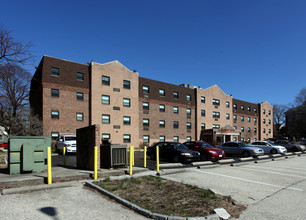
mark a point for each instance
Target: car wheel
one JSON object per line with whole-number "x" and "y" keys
{"x": 176, "y": 159}
{"x": 246, "y": 154}
{"x": 152, "y": 156}
{"x": 273, "y": 151}
{"x": 203, "y": 157}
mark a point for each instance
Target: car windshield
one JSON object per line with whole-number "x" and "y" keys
{"x": 271, "y": 142}
{"x": 205, "y": 145}
{"x": 70, "y": 138}
{"x": 178, "y": 146}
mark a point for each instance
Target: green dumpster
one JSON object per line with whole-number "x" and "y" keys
{"x": 27, "y": 154}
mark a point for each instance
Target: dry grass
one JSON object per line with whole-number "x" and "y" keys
{"x": 170, "y": 198}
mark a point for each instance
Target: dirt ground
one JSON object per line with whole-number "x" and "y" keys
{"x": 171, "y": 198}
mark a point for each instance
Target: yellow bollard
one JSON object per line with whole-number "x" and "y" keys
{"x": 145, "y": 157}
{"x": 133, "y": 156}
{"x": 131, "y": 162}
{"x": 157, "y": 158}
{"x": 64, "y": 155}
{"x": 49, "y": 165}
{"x": 96, "y": 163}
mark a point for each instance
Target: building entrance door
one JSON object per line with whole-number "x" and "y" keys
{"x": 227, "y": 138}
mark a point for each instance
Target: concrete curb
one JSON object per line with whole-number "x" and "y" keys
{"x": 143, "y": 211}
{"x": 34, "y": 188}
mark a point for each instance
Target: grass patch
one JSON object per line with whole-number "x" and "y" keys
{"x": 169, "y": 197}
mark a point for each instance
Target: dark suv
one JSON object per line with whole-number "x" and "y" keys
{"x": 174, "y": 152}
{"x": 207, "y": 151}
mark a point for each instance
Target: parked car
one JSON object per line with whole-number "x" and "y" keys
{"x": 240, "y": 148}
{"x": 290, "y": 146}
{"x": 68, "y": 141}
{"x": 303, "y": 142}
{"x": 3, "y": 145}
{"x": 174, "y": 152}
{"x": 269, "y": 147}
{"x": 207, "y": 151}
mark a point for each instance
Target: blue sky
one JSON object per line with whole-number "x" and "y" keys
{"x": 252, "y": 49}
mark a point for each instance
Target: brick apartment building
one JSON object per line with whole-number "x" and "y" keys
{"x": 138, "y": 111}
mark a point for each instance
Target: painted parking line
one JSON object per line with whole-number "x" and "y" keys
{"x": 250, "y": 181}
{"x": 264, "y": 171}
{"x": 286, "y": 167}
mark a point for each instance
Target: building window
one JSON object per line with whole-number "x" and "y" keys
{"x": 255, "y": 120}
{"x": 105, "y": 136}
{"x": 80, "y": 117}
{"x": 202, "y": 99}
{"x": 188, "y": 125}
{"x": 55, "y": 114}
{"x": 235, "y": 117}
{"x": 255, "y": 130}
{"x": 54, "y": 93}
{"x": 216, "y": 114}
{"x": 54, "y": 135}
{"x": 216, "y": 126}
{"x": 235, "y": 127}
{"x": 126, "y": 120}
{"x": 80, "y": 76}
{"x": 216, "y": 102}
{"x": 235, "y": 139}
{"x": 162, "y": 138}
{"x": 145, "y": 106}
{"x": 264, "y": 111}
{"x": 188, "y": 111}
{"x": 126, "y": 84}
{"x": 227, "y": 116}
{"x": 126, "y": 102}
{"x": 145, "y": 122}
{"x": 264, "y": 130}
{"x": 269, "y": 112}
{"x": 188, "y": 97}
{"x": 176, "y": 139}
{"x": 269, "y": 131}
{"x": 242, "y": 118}
{"x": 249, "y": 139}
{"x": 249, "y": 109}
{"x": 145, "y": 89}
{"x": 175, "y": 124}
{"x": 105, "y": 99}
{"x": 249, "y": 119}
{"x": 227, "y": 104}
{"x": 161, "y": 123}
{"x": 175, "y": 95}
{"x": 202, "y": 112}
{"x": 162, "y": 108}
{"x": 235, "y": 106}
{"x": 105, "y": 80}
{"x": 80, "y": 96}
{"x": 242, "y": 108}
{"x": 242, "y": 139}
{"x": 161, "y": 92}
{"x": 264, "y": 121}
{"x": 242, "y": 129}
{"x": 188, "y": 138}
{"x": 175, "y": 109}
{"x": 202, "y": 126}
{"x": 249, "y": 129}
{"x": 269, "y": 121}
{"x": 126, "y": 138}
{"x": 146, "y": 139}
{"x": 255, "y": 110}
{"x": 54, "y": 71}
{"x": 105, "y": 119}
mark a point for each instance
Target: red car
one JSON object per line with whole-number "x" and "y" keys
{"x": 3, "y": 145}
{"x": 207, "y": 151}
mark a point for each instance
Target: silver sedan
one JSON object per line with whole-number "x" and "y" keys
{"x": 269, "y": 148}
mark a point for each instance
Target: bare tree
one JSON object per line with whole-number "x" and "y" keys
{"x": 14, "y": 94}
{"x": 279, "y": 117}
{"x": 12, "y": 50}
{"x": 300, "y": 99}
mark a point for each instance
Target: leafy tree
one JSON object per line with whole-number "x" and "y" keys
{"x": 300, "y": 99}
{"x": 12, "y": 50}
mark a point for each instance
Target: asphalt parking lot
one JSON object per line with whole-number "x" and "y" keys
{"x": 270, "y": 189}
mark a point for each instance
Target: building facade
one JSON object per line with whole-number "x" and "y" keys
{"x": 138, "y": 111}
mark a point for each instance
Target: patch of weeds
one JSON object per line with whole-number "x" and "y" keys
{"x": 135, "y": 180}
{"x": 107, "y": 180}
{"x": 208, "y": 194}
